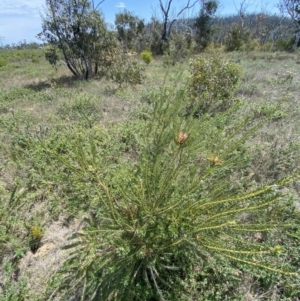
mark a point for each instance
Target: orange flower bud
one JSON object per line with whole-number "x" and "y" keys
{"x": 215, "y": 161}
{"x": 182, "y": 137}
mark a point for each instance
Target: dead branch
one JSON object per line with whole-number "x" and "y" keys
{"x": 188, "y": 6}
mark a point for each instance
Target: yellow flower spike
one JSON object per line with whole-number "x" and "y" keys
{"x": 277, "y": 249}
{"x": 182, "y": 137}
{"x": 214, "y": 160}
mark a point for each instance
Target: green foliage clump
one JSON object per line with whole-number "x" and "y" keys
{"x": 203, "y": 25}
{"x": 251, "y": 45}
{"x": 284, "y": 44}
{"x": 237, "y": 38}
{"x": 83, "y": 111}
{"x": 51, "y": 55}
{"x": 16, "y": 93}
{"x": 123, "y": 70}
{"x": 147, "y": 56}
{"x": 35, "y": 59}
{"x": 212, "y": 83}
{"x": 154, "y": 41}
{"x": 3, "y": 62}
{"x": 80, "y": 32}
{"x": 179, "y": 48}
{"x": 129, "y": 29}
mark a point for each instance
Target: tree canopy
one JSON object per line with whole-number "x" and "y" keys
{"x": 78, "y": 29}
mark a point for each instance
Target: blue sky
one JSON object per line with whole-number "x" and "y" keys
{"x": 20, "y": 19}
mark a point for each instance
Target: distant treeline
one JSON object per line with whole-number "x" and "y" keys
{"x": 235, "y": 32}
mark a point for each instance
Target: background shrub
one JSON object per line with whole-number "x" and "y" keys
{"x": 236, "y": 38}
{"x": 124, "y": 70}
{"x": 35, "y": 59}
{"x": 147, "y": 56}
{"x": 180, "y": 47}
{"x": 212, "y": 83}
{"x": 284, "y": 45}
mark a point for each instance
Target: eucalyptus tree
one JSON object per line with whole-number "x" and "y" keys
{"x": 203, "y": 22}
{"x": 78, "y": 29}
{"x": 129, "y": 28}
{"x": 167, "y": 23}
{"x": 165, "y": 10}
{"x": 291, "y": 8}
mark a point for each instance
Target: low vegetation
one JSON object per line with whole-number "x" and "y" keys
{"x": 175, "y": 186}
{"x": 147, "y": 56}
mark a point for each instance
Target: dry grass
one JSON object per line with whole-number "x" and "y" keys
{"x": 40, "y": 266}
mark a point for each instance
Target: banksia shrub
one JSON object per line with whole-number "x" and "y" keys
{"x": 153, "y": 221}
{"x": 212, "y": 83}
{"x": 147, "y": 57}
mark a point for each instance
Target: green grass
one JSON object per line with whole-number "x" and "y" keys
{"x": 52, "y": 124}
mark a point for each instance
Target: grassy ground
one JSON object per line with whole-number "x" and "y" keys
{"x": 38, "y": 101}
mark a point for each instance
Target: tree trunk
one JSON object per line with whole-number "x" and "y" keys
{"x": 297, "y": 39}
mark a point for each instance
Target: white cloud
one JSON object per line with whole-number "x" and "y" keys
{"x": 20, "y": 19}
{"x": 121, "y": 5}
{"x": 17, "y": 28}
{"x": 21, "y": 7}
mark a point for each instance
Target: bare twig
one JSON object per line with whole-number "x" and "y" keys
{"x": 244, "y": 5}
{"x": 188, "y": 6}
{"x": 97, "y": 4}
{"x": 165, "y": 10}
{"x": 288, "y": 7}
